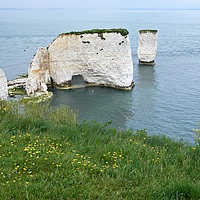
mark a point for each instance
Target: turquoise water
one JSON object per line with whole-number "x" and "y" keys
{"x": 166, "y": 98}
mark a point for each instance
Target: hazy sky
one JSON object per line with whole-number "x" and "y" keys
{"x": 102, "y": 4}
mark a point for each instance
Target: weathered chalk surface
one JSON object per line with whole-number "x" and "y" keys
{"x": 38, "y": 72}
{"x": 101, "y": 57}
{"x": 3, "y": 86}
{"x": 147, "y": 46}
{"x": 17, "y": 83}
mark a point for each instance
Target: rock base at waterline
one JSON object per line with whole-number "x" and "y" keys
{"x": 152, "y": 63}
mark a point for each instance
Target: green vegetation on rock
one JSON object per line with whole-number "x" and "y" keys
{"x": 46, "y": 154}
{"x": 148, "y": 30}
{"x": 152, "y": 63}
{"x": 22, "y": 76}
{"x": 19, "y": 90}
{"x": 123, "y": 32}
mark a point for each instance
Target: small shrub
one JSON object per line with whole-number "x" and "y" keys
{"x": 197, "y": 136}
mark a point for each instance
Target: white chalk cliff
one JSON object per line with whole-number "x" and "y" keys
{"x": 3, "y": 86}
{"x": 147, "y": 46}
{"x": 38, "y": 72}
{"x": 101, "y": 58}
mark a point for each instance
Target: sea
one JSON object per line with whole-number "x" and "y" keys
{"x": 166, "y": 97}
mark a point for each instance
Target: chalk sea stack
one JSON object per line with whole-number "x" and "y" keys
{"x": 3, "y": 86}
{"x": 102, "y": 57}
{"x": 147, "y": 47}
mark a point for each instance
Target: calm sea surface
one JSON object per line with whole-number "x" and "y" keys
{"x": 166, "y": 98}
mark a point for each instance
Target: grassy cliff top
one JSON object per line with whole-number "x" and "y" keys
{"x": 123, "y": 32}
{"x": 148, "y": 30}
{"x": 44, "y": 149}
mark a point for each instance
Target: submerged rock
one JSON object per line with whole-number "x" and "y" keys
{"x": 3, "y": 86}
{"x": 147, "y": 46}
{"x": 101, "y": 57}
{"x": 17, "y": 87}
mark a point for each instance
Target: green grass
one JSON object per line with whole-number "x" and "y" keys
{"x": 148, "y": 30}
{"x": 123, "y": 32}
{"x": 45, "y": 154}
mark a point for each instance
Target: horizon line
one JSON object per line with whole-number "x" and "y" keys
{"x": 99, "y": 8}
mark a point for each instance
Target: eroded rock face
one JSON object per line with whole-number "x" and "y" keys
{"x": 3, "y": 86}
{"x": 147, "y": 46}
{"x": 38, "y": 72}
{"x": 101, "y": 59}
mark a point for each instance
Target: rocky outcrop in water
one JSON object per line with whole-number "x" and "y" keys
{"x": 101, "y": 57}
{"x": 3, "y": 86}
{"x": 38, "y": 72}
{"x": 147, "y": 46}
{"x": 17, "y": 82}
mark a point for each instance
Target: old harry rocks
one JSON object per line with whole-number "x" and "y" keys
{"x": 147, "y": 47}
{"x": 101, "y": 57}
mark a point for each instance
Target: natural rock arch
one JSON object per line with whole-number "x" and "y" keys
{"x": 77, "y": 80}
{"x": 95, "y": 55}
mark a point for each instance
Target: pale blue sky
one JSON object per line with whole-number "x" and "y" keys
{"x": 101, "y": 4}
